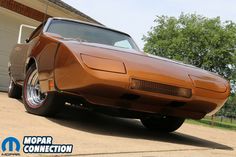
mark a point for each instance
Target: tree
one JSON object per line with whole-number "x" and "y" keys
{"x": 229, "y": 109}
{"x": 204, "y": 42}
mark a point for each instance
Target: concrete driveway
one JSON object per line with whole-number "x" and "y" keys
{"x": 99, "y": 135}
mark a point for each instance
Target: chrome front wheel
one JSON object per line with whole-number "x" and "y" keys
{"x": 37, "y": 102}
{"x": 34, "y": 95}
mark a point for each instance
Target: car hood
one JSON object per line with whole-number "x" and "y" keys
{"x": 153, "y": 68}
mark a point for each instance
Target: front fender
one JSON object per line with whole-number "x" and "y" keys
{"x": 44, "y": 53}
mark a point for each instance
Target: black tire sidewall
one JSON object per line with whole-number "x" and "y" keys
{"x": 168, "y": 124}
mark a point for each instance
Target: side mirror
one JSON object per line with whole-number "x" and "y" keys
{"x": 27, "y": 40}
{"x": 20, "y": 32}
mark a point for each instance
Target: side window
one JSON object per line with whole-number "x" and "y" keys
{"x": 123, "y": 44}
{"x": 36, "y": 32}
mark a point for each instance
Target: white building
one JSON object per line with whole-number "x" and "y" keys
{"x": 13, "y": 13}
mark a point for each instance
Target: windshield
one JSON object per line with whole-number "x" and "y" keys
{"x": 92, "y": 34}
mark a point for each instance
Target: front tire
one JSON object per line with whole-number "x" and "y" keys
{"x": 163, "y": 124}
{"x": 36, "y": 102}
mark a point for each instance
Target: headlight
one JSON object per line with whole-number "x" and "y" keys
{"x": 103, "y": 64}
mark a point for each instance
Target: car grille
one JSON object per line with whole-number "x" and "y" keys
{"x": 160, "y": 88}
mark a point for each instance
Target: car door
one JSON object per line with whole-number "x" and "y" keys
{"x": 17, "y": 59}
{"x": 19, "y": 56}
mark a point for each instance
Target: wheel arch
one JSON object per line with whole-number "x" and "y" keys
{"x": 29, "y": 62}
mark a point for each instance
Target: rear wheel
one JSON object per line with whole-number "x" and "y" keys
{"x": 37, "y": 102}
{"x": 162, "y": 124}
{"x": 14, "y": 90}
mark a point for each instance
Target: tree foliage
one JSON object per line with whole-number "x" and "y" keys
{"x": 204, "y": 42}
{"x": 229, "y": 109}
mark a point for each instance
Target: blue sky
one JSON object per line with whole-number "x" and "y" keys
{"x": 135, "y": 17}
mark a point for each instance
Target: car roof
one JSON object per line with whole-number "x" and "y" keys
{"x": 88, "y": 23}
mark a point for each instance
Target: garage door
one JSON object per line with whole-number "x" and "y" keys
{"x": 9, "y": 27}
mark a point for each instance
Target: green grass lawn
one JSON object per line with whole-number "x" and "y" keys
{"x": 216, "y": 123}
{"x": 218, "y": 119}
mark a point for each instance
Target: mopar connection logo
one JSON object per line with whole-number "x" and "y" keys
{"x": 44, "y": 144}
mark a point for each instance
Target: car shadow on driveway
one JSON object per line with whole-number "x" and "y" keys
{"x": 112, "y": 126}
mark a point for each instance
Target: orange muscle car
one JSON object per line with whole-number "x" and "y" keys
{"x": 98, "y": 68}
